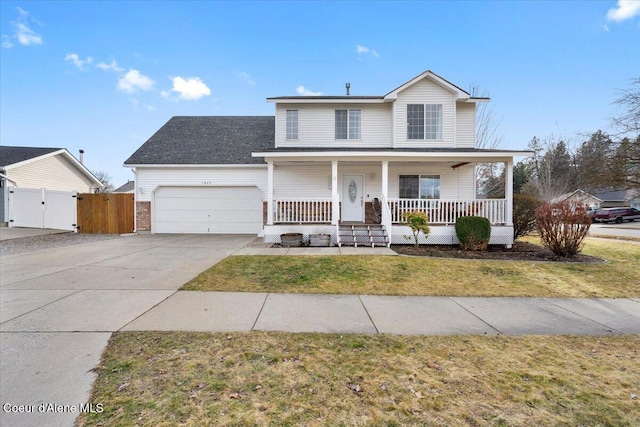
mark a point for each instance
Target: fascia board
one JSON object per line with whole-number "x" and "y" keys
{"x": 404, "y": 156}
{"x": 326, "y": 101}
{"x": 193, "y": 166}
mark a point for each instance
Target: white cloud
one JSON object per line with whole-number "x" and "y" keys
{"x": 626, "y": 9}
{"x": 190, "y": 89}
{"x": 112, "y": 66}
{"x": 363, "y": 50}
{"x": 246, "y": 77}
{"x": 22, "y": 31}
{"x": 79, "y": 63}
{"x": 26, "y": 36}
{"x": 133, "y": 81}
{"x": 306, "y": 92}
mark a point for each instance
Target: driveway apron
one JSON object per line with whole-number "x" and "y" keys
{"x": 59, "y": 306}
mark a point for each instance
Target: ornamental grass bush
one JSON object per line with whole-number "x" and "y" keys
{"x": 473, "y": 232}
{"x": 562, "y": 227}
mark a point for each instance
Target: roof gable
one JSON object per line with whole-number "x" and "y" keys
{"x": 207, "y": 140}
{"x": 458, "y": 92}
{"x": 13, "y": 157}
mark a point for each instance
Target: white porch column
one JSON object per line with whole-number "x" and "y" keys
{"x": 508, "y": 191}
{"x": 335, "y": 199}
{"x": 269, "y": 193}
{"x": 386, "y": 221}
{"x": 385, "y": 179}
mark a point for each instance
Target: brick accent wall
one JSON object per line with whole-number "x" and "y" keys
{"x": 143, "y": 216}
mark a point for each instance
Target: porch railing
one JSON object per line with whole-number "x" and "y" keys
{"x": 298, "y": 211}
{"x": 441, "y": 211}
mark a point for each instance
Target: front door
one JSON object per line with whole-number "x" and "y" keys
{"x": 352, "y": 198}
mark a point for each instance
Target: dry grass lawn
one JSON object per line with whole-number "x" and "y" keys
{"x": 199, "y": 379}
{"x": 396, "y": 275}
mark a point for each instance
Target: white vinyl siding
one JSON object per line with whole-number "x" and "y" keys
{"x": 292, "y": 124}
{"x": 425, "y": 92}
{"x": 148, "y": 179}
{"x": 466, "y": 125}
{"x": 314, "y": 181}
{"x": 316, "y": 126}
{"x": 52, "y": 173}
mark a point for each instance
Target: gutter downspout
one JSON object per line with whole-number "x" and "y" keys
{"x": 135, "y": 199}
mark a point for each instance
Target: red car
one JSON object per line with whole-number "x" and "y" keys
{"x": 617, "y": 214}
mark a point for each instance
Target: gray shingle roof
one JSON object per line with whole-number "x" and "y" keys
{"x": 207, "y": 140}
{"x": 11, "y": 155}
{"x": 128, "y": 186}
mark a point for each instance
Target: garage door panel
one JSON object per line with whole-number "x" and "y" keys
{"x": 208, "y": 210}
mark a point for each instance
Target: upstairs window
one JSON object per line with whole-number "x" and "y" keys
{"x": 424, "y": 121}
{"x": 348, "y": 124}
{"x": 419, "y": 187}
{"x": 292, "y": 124}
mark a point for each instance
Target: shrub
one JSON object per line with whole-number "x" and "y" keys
{"x": 524, "y": 214}
{"x": 562, "y": 227}
{"x": 473, "y": 232}
{"x": 418, "y": 222}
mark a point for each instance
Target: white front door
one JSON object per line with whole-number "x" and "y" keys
{"x": 352, "y": 198}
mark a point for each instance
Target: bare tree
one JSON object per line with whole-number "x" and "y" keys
{"x": 105, "y": 179}
{"x": 626, "y": 157}
{"x": 489, "y": 135}
{"x": 628, "y": 123}
{"x": 489, "y": 130}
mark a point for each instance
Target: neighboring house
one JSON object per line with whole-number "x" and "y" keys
{"x": 32, "y": 169}
{"x": 332, "y": 165}
{"x": 128, "y": 187}
{"x": 602, "y": 198}
{"x": 615, "y": 198}
{"x": 579, "y": 197}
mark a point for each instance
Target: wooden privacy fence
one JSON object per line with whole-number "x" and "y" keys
{"x": 107, "y": 213}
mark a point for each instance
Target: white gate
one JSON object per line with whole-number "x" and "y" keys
{"x": 42, "y": 208}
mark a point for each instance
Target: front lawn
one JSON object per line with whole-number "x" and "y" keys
{"x": 397, "y": 275}
{"x": 201, "y": 379}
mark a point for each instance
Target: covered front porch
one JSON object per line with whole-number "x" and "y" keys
{"x": 322, "y": 193}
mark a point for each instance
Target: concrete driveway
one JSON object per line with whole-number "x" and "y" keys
{"x": 59, "y": 306}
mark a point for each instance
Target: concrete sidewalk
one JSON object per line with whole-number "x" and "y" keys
{"x": 368, "y": 314}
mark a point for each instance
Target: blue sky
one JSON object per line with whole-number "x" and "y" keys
{"x": 104, "y": 76}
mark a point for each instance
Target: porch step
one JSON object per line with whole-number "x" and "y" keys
{"x": 363, "y": 235}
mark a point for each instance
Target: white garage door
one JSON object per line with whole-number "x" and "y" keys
{"x": 221, "y": 210}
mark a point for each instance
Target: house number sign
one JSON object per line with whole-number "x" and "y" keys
{"x": 353, "y": 191}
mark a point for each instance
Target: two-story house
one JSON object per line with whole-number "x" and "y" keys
{"x": 346, "y": 166}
